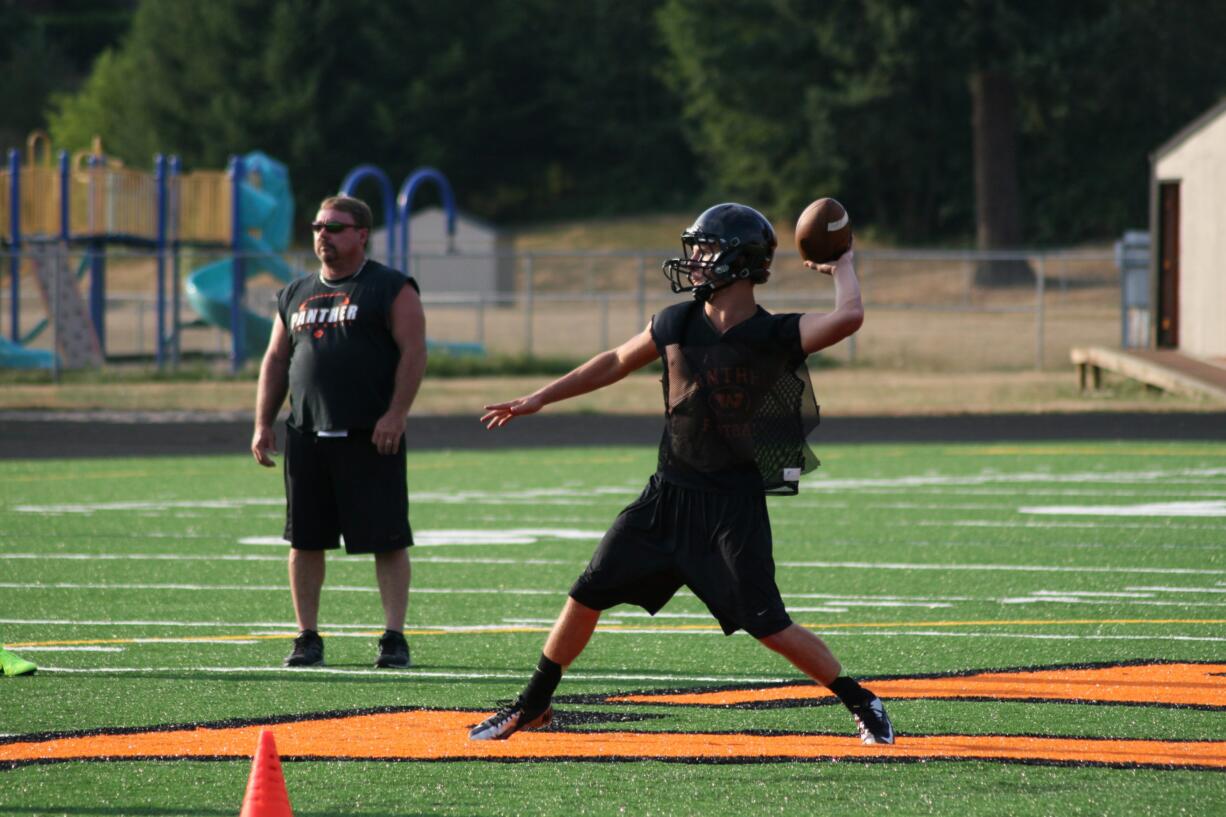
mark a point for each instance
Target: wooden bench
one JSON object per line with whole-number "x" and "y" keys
{"x": 1092, "y": 360}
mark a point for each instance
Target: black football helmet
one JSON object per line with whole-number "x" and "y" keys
{"x": 725, "y": 244}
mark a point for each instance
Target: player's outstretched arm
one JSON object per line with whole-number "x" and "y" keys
{"x": 819, "y": 330}
{"x": 602, "y": 370}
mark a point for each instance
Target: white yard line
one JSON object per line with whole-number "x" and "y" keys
{"x": 151, "y": 557}
{"x": 580, "y": 676}
{"x": 466, "y": 537}
{"x": 280, "y": 558}
{"x": 571, "y": 676}
{"x": 1031, "y": 636}
{"x": 1114, "y": 602}
{"x": 862, "y": 600}
{"x": 287, "y": 626}
{"x": 1167, "y": 477}
{"x": 69, "y": 648}
{"x": 1147, "y": 492}
{"x": 536, "y": 496}
{"x": 1174, "y": 571}
{"x": 837, "y": 604}
{"x": 1179, "y": 589}
{"x": 1045, "y": 523}
{"x": 268, "y": 588}
{"x": 1207, "y": 508}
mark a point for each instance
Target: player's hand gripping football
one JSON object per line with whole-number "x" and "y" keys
{"x": 848, "y": 257}
{"x": 498, "y": 415}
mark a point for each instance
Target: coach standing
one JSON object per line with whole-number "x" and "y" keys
{"x": 349, "y": 348}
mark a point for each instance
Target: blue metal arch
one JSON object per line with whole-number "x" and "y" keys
{"x": 405, "y": 200}
{"x": 350, "y": 184}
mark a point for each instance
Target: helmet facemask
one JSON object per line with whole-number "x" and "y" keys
{"x": 716, "y": 258}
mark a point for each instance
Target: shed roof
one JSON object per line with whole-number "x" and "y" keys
{"x": 1188, "y": 131}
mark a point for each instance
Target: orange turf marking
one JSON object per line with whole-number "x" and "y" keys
{"x": 1168, "y": 684}
{"x": 443, "y": 735}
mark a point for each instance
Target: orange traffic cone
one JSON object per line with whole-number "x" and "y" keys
{"x": 266, "y": 795}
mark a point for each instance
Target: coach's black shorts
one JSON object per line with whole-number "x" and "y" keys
{"x": 718, "y": 545}
{"x": 342, "y": 486}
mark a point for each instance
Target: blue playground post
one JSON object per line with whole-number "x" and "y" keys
{"x": 350, "y": 184}
{"x": 260, "y": 226}
{"x": 236, "y": 172}
{"x": 159, "y": 177}
{"x": 176, "y": 168}
{"x": 404, "y": 202}
{"x": 266, "y": 207}
{"x": 15, "y": 249}
{"x": 97, "y": 275}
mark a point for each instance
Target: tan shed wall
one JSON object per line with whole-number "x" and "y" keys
{"x": 1199, "y": 164}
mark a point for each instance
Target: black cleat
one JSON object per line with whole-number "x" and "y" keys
{"x": 308, "y": 650}
{"x": 393, "y": 651}
{"x": 872, "y": 722}
{"x": 511, "y": 719}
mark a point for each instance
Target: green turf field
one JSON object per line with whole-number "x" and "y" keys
{"x": 1091, "y": 578}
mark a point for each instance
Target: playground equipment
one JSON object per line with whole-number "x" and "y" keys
{"x": 91, "y": 201}
{"x": 398, "y": 251}
{"x": 16, "y": 356}
{"x": 397, "y": 222}
{"x": 263, "y": 224}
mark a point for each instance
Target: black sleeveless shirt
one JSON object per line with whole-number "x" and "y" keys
{"x": 738, "y": 405}
{"x": 343, "y": 356}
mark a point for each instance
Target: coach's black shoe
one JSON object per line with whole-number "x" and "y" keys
{"x": 393, "y": 651}
{"x": 872, "y": 722}
{"x": 308, "y": 650}
{"x": 511, "y": 719}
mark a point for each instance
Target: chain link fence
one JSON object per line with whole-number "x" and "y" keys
{"x": 925, "y": 310}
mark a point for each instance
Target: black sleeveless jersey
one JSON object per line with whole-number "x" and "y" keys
{"x": 343, "y": 357}
{"x": 738, "y": 405}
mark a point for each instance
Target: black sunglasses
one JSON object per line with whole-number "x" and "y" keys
{"x": 332, "y": 226}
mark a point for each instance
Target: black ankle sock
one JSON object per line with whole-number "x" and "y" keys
{"x": 544, "y": 681}
{"x": 849, "y": 691}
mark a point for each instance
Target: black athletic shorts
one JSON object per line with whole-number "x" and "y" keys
{"x": 717, "y": 545}
{"x": 342, "y": 486}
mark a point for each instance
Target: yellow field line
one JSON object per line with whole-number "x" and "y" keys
{"x": 647, "y": 629}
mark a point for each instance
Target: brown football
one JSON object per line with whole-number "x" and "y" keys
{"x": 823, "y": 231}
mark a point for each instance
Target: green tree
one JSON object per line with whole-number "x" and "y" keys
{"x": 1100, "y": 96}
{"x": 182, "y": 81}
{"x": 23, "y": 43}
{"x": 944, "y": 119}
{"x": 530, "y": 107}
{"x": 796, "y": 99}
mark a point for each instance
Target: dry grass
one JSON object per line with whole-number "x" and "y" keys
{"x": 841, "y": 392}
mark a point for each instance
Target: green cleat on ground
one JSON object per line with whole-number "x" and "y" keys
{"x": 11, "y": 664}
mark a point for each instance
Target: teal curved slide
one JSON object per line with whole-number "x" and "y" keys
{"x": 16, "y": 356}
{"x": 270, "y": 209}
{"x": 19, "y": 356}
{"x": 209, "y": 291}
